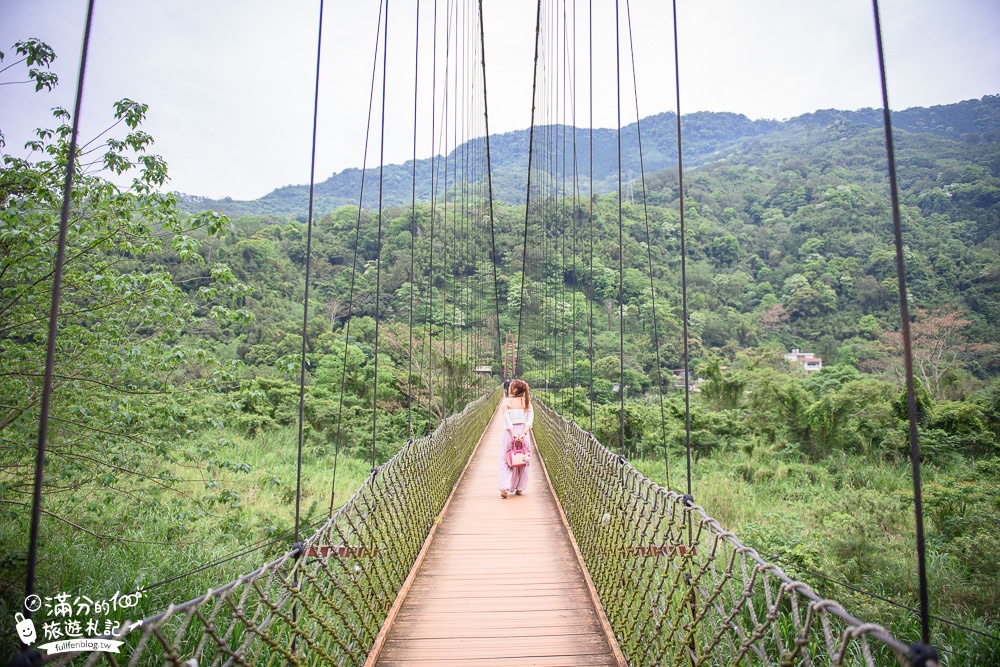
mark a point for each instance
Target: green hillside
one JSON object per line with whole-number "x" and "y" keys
{"x": 707, "y": 137}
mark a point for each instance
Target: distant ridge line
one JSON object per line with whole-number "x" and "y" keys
{"x": 708, "y": 137}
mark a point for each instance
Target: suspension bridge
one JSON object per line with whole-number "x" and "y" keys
{"x": 426, "y": 565}
{"x": 594, "y": 565}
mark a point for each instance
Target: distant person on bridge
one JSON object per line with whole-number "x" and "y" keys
{"x": 506, "y": 387}
{"x": 518, "y": 418}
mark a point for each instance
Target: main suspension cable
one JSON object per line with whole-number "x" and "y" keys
{"x": 576, "y": 205}
{"x": 378, "y": 246}
{"x": 590, "y": 197}
{"x": 684, "y": 306}
{"x": 621, "y": 248}
{"x": 489, "y": 182}
{"x": 429, "y": 319}
{"x": 50, "y": 350}
{"x": 527, "y": 200}
{"x": 305, "y": 298}
{"x": 649, "y": 250}
{"x": 413, "y": 229}
{"x": 354, "y": 268}
{"x": 904, "y": 316}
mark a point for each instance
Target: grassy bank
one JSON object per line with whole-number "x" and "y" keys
{"x": 230, "y": 493}
{"x": 850, "y": 519}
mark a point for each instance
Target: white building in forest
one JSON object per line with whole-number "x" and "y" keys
{"x": 809, "y": 361}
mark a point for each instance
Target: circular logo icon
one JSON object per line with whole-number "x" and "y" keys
{"x": 32, "y": 603}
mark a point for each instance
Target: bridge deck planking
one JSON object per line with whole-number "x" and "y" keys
{"x": 500, "y": 584}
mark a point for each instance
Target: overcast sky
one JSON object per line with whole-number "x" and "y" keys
{"x": 230, "y": 83}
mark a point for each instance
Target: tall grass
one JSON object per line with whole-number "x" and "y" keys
{"x": 850, "y": 519}
{"x": 232, "y": 493}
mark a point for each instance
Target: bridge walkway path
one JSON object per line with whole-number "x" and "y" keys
{"x": 499, "y": 583}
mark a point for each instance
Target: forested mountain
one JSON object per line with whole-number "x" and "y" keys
{"x": 707, "y": 137}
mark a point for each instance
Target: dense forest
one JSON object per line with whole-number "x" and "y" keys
{"x": 174, "y": 425}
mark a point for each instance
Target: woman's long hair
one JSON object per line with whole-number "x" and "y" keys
{"x": 519, "y": 389}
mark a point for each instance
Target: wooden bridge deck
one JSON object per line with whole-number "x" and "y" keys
{"x": 500, "y": 583}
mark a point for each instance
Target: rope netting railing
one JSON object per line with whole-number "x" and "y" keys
{"x": 324, "y": 602}
{"x": 707, "y": 599}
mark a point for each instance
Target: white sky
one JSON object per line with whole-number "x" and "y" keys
{"x": 230, "y": 84}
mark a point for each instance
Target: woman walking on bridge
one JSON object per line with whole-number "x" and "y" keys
{"x": 518, "y": 418}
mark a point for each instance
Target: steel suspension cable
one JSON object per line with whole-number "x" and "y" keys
{"x": 463, "y": 267}
{"x": 621, "y": 248}
{"x": 463, "y": 183}
{"x": 919, "y": 655}
{"x": 576, "y": 204}
{"x": 378, "y": 246}
{"x": 543, "y": 181}
{"x": 527, "y": 201}
{"x": 590, "y": 196}
{"x": 305, "y": 298}
{"x": 455, "y": 199}
{"x": 413, "y": 229}
{"x": 561, "y": 209}
{"x": 447, "y": 378}
{"x": 649, "y": 251}
{"x": 489, "y": 181}
{"x": 475, "y": 199}
{"x": 551, "y": 184}
{"x": 429, "y": 320}
{"x": 458, "y": 205}
{"x": 475, "y": 202}
{"x": 558, "y": 192}
{"x": 354, "y": 269}
{"x": 554, "y": 218}
{"x": 684, "y": 306}
{"x": 467, "y": 151}
{"x": 53, "y": 333}
{"x": 460, "y": 197}
{"x": 461, "y": 232}
{"x": 544, "y": 188}
{"x": 689, "y": 498}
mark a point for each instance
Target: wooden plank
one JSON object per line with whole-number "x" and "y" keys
{"x": 487, "y": 647}
{"x": 521, "y": 661}
{"x": 456, "y": 622}
{"x": 421, "y": 630}
{"x": 451, "y": 589}
{"x": 500, "y": 585}
{"x": 526, "y": 604}
{"x": 487, "y": 592}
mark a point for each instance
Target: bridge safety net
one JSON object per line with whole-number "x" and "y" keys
{"x": 677, "y": 588}
{"x": 323, "y": 602}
